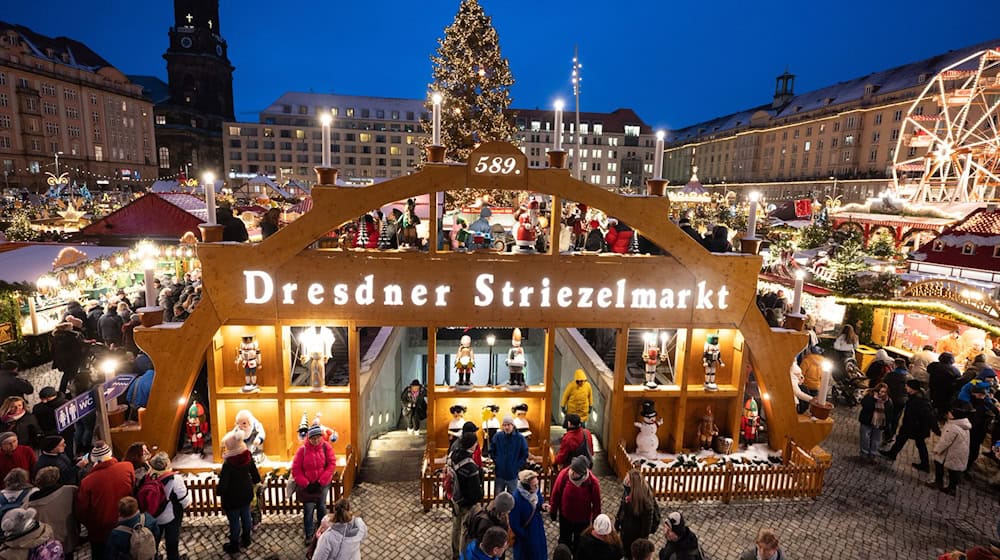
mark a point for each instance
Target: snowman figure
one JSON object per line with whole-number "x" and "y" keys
{"x": 465, "y": 363}
{"x": 515, "y": 362}
{"x": 711, "y": 358}
{"x": 646, "y": 441}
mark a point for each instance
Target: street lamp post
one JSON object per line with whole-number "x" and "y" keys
{"x": 57, "y": 162}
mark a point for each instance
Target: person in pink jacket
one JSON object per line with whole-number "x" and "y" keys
{"x": 312, "y": 469}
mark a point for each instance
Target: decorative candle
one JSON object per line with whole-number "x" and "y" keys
{"x": 824, "y": 383}
{"x": 752, "y": 218}
{"x": 33, "y": 313}
{"x": 325, "y": 119}
{"x": 559, "y": 124}
{"x": 797, "y": 297}
{"x": 658, "y": 156}
{"x": 664, "y": 336}
{"x": 151, "y": 298}
{"x": 436, "y": 120}
{"x": 208, "y": 179}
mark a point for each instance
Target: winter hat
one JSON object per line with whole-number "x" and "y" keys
{"x": 508, "y": 419}
{"x": 5, "y": 436}
{"x": 468, "y": 440}
{"x": 915, "y": 384}
{"x": 503, "y": 502}
{"x": 648, "y": 409}
{"x": 469, "y": 427}
{"x": 961, "y": 409}
{"x": 232, "y": 444}
{"x": 49, "y": 443}
{"x": 980, "y": 388}
{"x": 414, "y": 383}
{"x": 526, "y": 475}
{"x": 980, "y": 359}
{"x": 602, "y": 525}
{"x": 946, "y": 358}
{"x": 986, "y": 373}
{"x": 160, "y": 462}
{"x": 676, "y": 521}
{"x": 18, "y": 521}
{"x": 315, "y": 430}
{"x": 457, "y": 409}
{"x": 882, "y": 356}
{"x": 684, "y": 222}
{"x": 47, "y": 392}
{"x": 579, "y": 464}
{"x": 572, "y": 420}
{"x": 100, "y": 452}
{"x": 143, "y": 363}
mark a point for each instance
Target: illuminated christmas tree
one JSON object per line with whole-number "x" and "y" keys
{"x": 20, "y": 228}
{"x": 474, "y": 80}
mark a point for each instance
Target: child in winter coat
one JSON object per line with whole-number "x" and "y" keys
{"x": 952, "y": 449}
{"x": 342, "y": 541}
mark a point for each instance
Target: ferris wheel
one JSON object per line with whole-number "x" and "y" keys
{"x": 953, "y": 154}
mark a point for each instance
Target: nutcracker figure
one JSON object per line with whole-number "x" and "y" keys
{"x": 652, "y": 355}
{"x": 197, "y": 427}
{"x": 248, "y": 357}
{"x": 515, "y": 362}
{"x": 317, "y": 345}
{"x": 527, "y": 226}
{"x": 707, "y": 430}
{"x": 646, "y": 441}
{"x": 457, "y": 421}
{"x": 750, "y": 422}
{"x": 711, "y": 358}
{"x": 465, "y": 363}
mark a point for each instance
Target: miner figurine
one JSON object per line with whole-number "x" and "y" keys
{"x": 711, "y": 358}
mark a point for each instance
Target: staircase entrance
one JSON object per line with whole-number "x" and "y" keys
{"x": 393, "y": 457}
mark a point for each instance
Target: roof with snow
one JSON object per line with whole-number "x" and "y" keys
{"x": 154, "y": 215}
{"x": 25, "y": 262}
{"x": 883, "y": 82}
{"x": 153, "y": 88}
{"x": 60, "y": 50}
{"x": 614, "y": 121}
{"x": 980, "y": 228}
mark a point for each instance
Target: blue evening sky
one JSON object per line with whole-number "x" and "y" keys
{"x": 675, "y": 62}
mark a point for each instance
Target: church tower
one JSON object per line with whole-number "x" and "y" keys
{"x": 199, "y": 74}
{"x": 784, "y": 90}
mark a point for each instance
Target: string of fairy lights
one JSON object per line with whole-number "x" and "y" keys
{"x": 86, "y": 173}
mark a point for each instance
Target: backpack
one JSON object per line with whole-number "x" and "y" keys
{"x": 452, "y": 489}
{"x": 17, "y": 502}
{"x": 595, "y": 241}
{"x": 52, "y": 550}
{"x": 583, "y": 449}
{"x": 152, "y": 495}
{"x": 141, "y": 541}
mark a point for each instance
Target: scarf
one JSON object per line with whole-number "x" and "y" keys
{"x": 14, "y": 417}
{"x": 577, "y": 483}
{"x": 532, "y": 497}
{"x": 878, "y": 417}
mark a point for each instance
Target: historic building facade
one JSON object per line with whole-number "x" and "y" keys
{"x": 374, "y": 138}
{"x": 197, "y": 98}
{"x": 63, "y": 106}
{"x": 845, "y": 131}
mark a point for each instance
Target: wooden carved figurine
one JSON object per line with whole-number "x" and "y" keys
{"x": 317, "y": 347}
{"x": 707, "y": 430}
{"x": 197, "y": 428}
{"x": 457, "y": 421}
{"x": 527, "y": 225}
{"x": 521, "y": 420}
{"x": 647, "y": 442}
{"x": 515, "y": 361}
{"x": 651, "y": 357}
{"x": 750, "y": 422}
{"x": 465, "y": 363}
{"x": 711, "y": 358}
{"x": 408, "y": 227}
{"x": 490, "y": 426}
{"x": 248, "y": 357}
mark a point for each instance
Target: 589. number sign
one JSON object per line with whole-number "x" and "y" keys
{"x": 496, "y": 165}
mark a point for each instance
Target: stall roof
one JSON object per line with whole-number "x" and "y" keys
{"x": 155, "y": 215}
{"x": 25, "y": 262}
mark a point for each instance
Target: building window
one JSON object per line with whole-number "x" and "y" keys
{"x": 878, "y": 118}
{"x": 4, "y": 121}
{"x": 3, "y": 78}
{"x": 996, "y": 252}
{"x": 4, "y": 141}
{"x": 969, "y": 248}
{"x": 51, "y": 129}
{"x": 897, "y": 116}
{"x": 873, "y": 155}
{"x": 99, "y": 153}
{"x": 48, "y": 89}
{"x": 806, "y": 146}
{"x": 164, "y": 157}
{"x": 3, "y": 100}
{"x": 938, "y": 246}
{"x": 34, "y": 167}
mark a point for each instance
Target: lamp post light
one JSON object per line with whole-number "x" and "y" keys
{"x": 491, "y": 339}
{"x": 57, "y": 154}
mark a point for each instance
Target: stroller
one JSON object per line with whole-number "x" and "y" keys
{"x": 849, "y": 384}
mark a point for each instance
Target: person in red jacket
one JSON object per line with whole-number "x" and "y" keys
{"x": 619, "y": 237}
{"x": 576, "y": 500}
{"x": 571, "y": 444}
{"x": 97, "y": 500}
{"x": 13, "y": 455}
{"x": 313, "y": 468}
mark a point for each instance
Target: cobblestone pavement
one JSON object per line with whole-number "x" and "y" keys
{"x": 865, "y": 512}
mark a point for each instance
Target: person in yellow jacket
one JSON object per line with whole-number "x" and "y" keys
{"x": 578, "y": 398}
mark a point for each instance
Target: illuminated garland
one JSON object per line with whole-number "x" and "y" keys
{"x": 107, "y": 177}
{"x": 933, "y": 307}
{"x": 87, "y": 273}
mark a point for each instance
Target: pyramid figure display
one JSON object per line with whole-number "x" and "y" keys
{"x": 197, "y": 428}
{"x": 521, "y": 420}
{"x": 711, "y": 359}
{"x": 652, "y": 356}
{"x": 515, "y": 362}
{"x": 457, "y": 421}
{"x": 253, "y": 432}
{"x": 750, "y": 422}
{"x": 317, "y": 347}
{"x": 527, "y": 226}
{"x": 465, "y": 363}
{"x": 491, "y": 425}
{"x": 303, "y": 428}
{"x": 707, "y": 430}
{"x": 248, "y": 357}
{"x": 646, "y": 441}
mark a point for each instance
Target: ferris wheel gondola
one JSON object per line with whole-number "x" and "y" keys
{"x": 953, "y": 155}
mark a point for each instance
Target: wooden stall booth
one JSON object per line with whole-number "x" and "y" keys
{"x": 273, "y": 289}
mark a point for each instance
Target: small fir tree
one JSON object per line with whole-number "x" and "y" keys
{"x": 845, "y": 263}
{"x": 20, "y": 228}
{"x": 474, "y": 80}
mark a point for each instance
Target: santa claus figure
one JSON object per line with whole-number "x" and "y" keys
{"x": 465, "y": 363}
{"x": 515, "y": 362}
{"x": 527, "y": 226}
{"x": 197, "y": 427}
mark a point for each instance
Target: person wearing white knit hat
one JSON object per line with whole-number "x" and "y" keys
{"x": 24, "y": 534}
{"x": 236, "y": 483}
{"x": 97, "y": 501}
{"x": 599, "y": 541}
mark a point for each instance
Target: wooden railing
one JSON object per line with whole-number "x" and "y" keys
{"x": 205, "y": 502}
{"x": 432, "y": 492}
{"x": 799, "y": 476}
